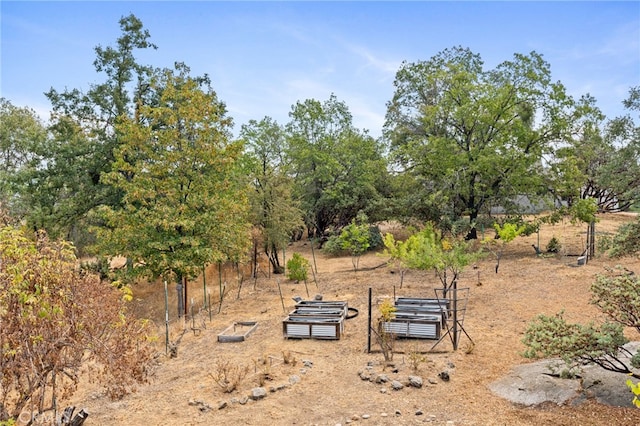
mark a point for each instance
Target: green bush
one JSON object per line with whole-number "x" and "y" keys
{"x": 553, "y": 246}
{"x": 333, "y": 246}
{"x": 297, "y": 268}
{"x": 626, "y": 241}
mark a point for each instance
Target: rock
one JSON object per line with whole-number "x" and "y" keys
{"x": 243, "y": 400}
{"x": 366, "y": 416}
{"x": 384, "y": 415}
{"x": 396, "y": 385}
{"x": 398, "y": 413}
{"x": 318, "y": 297}
{"x": 444, "y": 375}
{"x": 419, "y": 413}
{"x": 294, "y": 379}
{"x": 383, "y": 390}
{"x": 432, "y": 381}
{"x": 381, "y": 378}
{"x": 307, "y": 363}
{"x": 258, "y": 393}
{"x": 222, "y": 404}
{"x": 364, "y": 375}
{"x": 415, "y": 381}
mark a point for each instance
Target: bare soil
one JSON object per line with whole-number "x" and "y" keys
{"x": 182, "y": 390}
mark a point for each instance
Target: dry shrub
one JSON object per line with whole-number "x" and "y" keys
{"x": 228, "y": 375}
{"x": 55, "y": 319}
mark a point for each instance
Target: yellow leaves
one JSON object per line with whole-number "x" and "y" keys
{"x": 387, "y": 310}
{"x": 446, "y": 245}
{"x": 635, "y": 389}
{"x": 127, "y": 293}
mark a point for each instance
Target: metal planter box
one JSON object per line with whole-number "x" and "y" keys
{"x": 315, "y": 319}
{"x": 319, "y": 306}
{"x": 313, "y": 328}
{"x": 414, "y": 327}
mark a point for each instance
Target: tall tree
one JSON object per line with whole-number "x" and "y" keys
{"x": 183, "y": 204}
{"x": 21, "y": 135}
{"x": 67, "y": 185}
{"x": 337, "y": 168}
{"x": 275, "y": 213}
{"x": 602, "y": 162}
{"x": 477, "y": 135}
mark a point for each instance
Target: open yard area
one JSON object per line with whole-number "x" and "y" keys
{"x": 319, "y": 382}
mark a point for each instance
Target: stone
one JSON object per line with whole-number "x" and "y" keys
{"x": 294, "y": 379}
{"x": 415, "y": 381}
{"x": 444, "y": 376}
{"x": 222, "y": 404}
{"x": 258, "y": 393}
{"x": 381, "y": 378}
{"x": 419, "y": 413}
{"x": 366, "y": 416}
{"x": 396, "y": 385}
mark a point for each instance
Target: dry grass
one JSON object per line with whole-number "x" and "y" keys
{"x": 330, "y": 392}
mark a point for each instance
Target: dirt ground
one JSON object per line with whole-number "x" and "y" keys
{"x": 330, "y": 391}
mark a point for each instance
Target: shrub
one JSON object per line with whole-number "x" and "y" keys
{"x": 553, "y": 246}
{"x": 56, "y": 319}
{"x": 297, "y": 268}
{"x": 626, "y": 241}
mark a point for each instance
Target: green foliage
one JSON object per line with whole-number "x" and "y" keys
{"x": 333, "y": 246}
{"x": 553, "y": 246}
{"x": 617, "y": 294}
{"x": 21, "y": 136}
{"x": 552, "y": 336}
{"x": 275, "y": 214}
{"x": 297, "y": 268}
{"x": 338, "y": 170}
{"x": 505, "y": 233}
{"x": 625, "y": 242}
{"x": 184, "y": 204}
{"x": 64, "y": 184}
{"x": 355, "y": 239}
{"x": 584, "y": 210}
{"x": 470, "y": 133}
{"x": 427, "y": 249}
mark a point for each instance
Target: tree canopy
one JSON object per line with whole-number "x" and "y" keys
{"x": 477, "y": 136}
{"x": 337, "y": 169}
{"x": 183, "y": 202}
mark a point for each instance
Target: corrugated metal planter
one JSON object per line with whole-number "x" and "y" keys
{"x": 313, "y": 328}
{"x": 237, "y": 332}
{"x": 414, "y": 328}
{"x": 418, "y": 318}
{"x": 316, "y": 320}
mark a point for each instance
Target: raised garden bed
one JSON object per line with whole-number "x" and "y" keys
{"x": 418, "y": 318}
{"x": 237, "y": 332}
{"x": 316, "y": 320}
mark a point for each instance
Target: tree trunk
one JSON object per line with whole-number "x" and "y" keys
{"x": 179, "y": 290}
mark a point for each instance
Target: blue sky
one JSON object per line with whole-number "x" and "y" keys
{"x": 263, "y": 57}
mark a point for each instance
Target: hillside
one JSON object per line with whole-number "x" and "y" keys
{"x": 317, "y": 382}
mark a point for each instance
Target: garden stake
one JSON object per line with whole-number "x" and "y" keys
{"x": 281, "y": 298}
